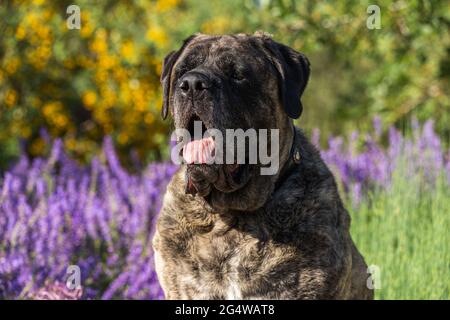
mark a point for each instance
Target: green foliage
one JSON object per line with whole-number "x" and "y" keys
{"x": 397, "y": 71}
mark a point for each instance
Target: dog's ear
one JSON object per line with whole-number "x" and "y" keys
{"x": 293, "y": 70}
{"x": 169, "y": 62}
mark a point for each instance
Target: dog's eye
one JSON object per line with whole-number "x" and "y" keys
{"x": 235, "y": 75}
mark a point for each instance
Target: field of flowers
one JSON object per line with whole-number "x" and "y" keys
{"x": 55, "y": 212}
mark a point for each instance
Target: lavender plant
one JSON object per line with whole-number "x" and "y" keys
{"x": 364, "y": 164}
{"x": 55, "y": 212}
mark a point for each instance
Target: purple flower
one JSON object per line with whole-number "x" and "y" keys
{"x": 361, "y": 169}
{"x": 56, "y": 291}
{"x": 55, "y": 213}
{"x": 377, "y": 126}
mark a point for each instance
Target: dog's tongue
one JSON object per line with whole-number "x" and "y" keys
{"x": 199, "y": 151}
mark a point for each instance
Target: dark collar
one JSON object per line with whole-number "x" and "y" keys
{"x": 292, "y": 162}
{"x": 294, "y": 154}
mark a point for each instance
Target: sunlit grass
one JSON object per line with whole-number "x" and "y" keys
{"x": 405, "y": 231}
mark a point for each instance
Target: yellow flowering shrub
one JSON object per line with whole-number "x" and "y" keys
{"x": 101, "y": 79}
{"x": 83, "y": 84}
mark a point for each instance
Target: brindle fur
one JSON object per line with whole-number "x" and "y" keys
{"x": 284, "y": 236}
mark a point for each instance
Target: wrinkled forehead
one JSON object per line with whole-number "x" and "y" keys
{"x": 213, "y": 48}
{"x": 228, "y": 42}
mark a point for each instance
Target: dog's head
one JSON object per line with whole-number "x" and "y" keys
{"x": 234, "y": 82}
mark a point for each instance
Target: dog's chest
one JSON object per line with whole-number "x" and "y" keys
{"x": 232, "y": 265}
{"x": 233, "y": 287}
{"x": 218, "y": 263}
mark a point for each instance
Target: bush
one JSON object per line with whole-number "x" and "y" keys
{"x": 83, "y": 84}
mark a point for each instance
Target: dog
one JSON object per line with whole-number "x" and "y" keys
{"x": 225, "y": 231}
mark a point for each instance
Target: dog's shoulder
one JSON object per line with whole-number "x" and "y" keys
{"x": 308, "y": 199}
{"x": 309, "y": 179}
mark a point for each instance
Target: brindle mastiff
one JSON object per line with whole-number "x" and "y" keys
{"x": 228, "y": 232}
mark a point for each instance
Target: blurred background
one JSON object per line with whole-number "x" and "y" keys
{"x": 84, "y": 152}
{"x": 104, "y": 78}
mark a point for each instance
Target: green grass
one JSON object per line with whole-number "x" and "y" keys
{"x": 405, "y": 231}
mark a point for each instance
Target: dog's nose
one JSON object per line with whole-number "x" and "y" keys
{"x": 194, "y": 82}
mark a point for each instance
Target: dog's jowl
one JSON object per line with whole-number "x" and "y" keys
{"x": 226, "y": 231}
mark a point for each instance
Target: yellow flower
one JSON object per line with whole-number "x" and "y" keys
{"x": 38, "y": 58}
{"x": 50, "y": 109}
{"x": 120, "y": 74}
{"x": 86, "y": 30}
{"x": 157, "y": 35}
{"x": 89, "y": 98}
{"x": 43, "y": 32}
{"x": 43, "y": 52}
{"x": 47, "y": 14}
{"x": 71, "y": 143}
{"x": 127, "y": 50}
{"x": 164, "y": 5}
{"x": 108, "y": 96}
{"x": 31, "y": 19}
{"x": 20, "y": 33}
{"x": 60, "y": 120}
{"x": 38, "y": 2}
{"x": 12, "y": 65}
{"x": 125, "y": 94}
{"x": 99, "y": 44}
{"x": 149, "y": 118}
{"x": 11, "y": 97}
{"x": 86, "y": 25}
{"x": 101, "y": 76}
{"x": 53, "y": 113}
{"x": 217, "y": 25}
{"x": 107, "y": 61}
{"x": 101, "y": 115}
